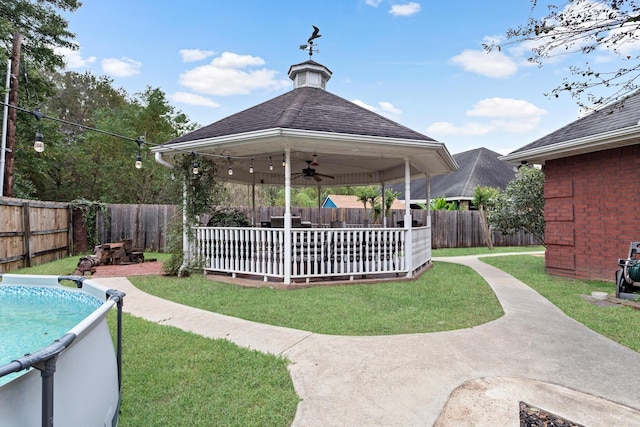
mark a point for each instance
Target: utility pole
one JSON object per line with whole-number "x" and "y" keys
{"x": 5, "y": 117}
{"x": 13, "y": 115}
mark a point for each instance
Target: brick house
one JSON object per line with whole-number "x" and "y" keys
{"x": 592, "y": 197}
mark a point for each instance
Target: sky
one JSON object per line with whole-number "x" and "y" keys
{"x": 419, "y": 63}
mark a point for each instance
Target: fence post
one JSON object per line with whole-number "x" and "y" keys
{"x": 26, "y": 221}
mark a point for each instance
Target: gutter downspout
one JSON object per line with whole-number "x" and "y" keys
{"x": 161, "y": 160}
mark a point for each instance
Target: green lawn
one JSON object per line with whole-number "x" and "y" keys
{"x": 175, "y": 378}
{"x": 481, "y": 251}
{"x": 621, "y": 324}
{"x": 447, "y": 296}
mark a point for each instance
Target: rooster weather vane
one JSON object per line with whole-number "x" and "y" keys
{"x": 309, "y": 45}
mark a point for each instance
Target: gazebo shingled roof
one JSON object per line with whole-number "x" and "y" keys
{"x": 353, "y": 144}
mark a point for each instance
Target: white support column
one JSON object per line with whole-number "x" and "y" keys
{"x": 186, "y": 245}
{"x": 287, "y": 216}
{"x": 408, "y": 246}
{"x": 427, "y": 179}
{"x": 253, "y": 200}
{"x": 384, "y": 207}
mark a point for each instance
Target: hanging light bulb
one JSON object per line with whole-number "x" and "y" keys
{"x": 270, "y": 164}
{"x": 139, "y": 156}
{"x": 195, "y": 163}
{"x": 251, "y": 166}
{"x": 284, "y": 162}
{"x": 230, "y": 168}
{"x": 38, "y": 145}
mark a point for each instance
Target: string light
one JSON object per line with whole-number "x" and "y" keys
{"x": 139, "y": 156}
{"x": 38, "y": 144}
{"x": 195, "y": 163}
{"x": 251, "y": 166}
{"x": 39, "y": 140}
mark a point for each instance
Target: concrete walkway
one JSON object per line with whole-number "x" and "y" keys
{"x": 469, "y": 377}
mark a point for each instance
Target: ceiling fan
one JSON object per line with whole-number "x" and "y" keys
{"x": 309, "y": 173}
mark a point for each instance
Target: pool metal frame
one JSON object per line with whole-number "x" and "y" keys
{"x": 45, "y": 359}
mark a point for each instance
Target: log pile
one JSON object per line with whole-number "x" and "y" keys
{"x": 120, "y": 253}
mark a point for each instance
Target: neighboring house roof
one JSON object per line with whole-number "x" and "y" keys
{"x": 612, "y": 126}
{"x": 340, "y": 201}
{"x": 480, "y": 166}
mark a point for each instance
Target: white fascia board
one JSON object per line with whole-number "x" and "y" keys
{"x": 598, "y": 142}
{"x": 219, "y": 140}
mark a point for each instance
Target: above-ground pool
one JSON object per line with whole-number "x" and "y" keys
{"x": 57, "y": 359}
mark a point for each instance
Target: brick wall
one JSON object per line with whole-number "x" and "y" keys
{"x": 592, "y": 212}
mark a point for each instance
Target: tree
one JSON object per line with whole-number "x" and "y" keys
{"x": 521, "y": 205}
{"x": 585, "y": 26}
{"x": 30, "y": 32}
{"x": 42, "y": 29}
{"x": 484, "y": 199}
{"x": 441, "y": 204}
{"x": 368, "y": 194}
{"x": 390, "y": 196}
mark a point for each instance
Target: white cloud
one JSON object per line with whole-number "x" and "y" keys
{"x": 191, "y": 55}
{"x": 73, "y": 58}
{"x": 407, "y": 9}
{"x": 373, "y": 3}
{"x": 123, "y": 67}
{"x": 388, "y": 107}
{"x": 446, "y": 128}
{"x": 490, "y": 64}
{"x": 226, "y": 75}
{"x": 503, "y": 114}
{"x": 193, "y": 99}
{"x": 505, "y": 108}
{"x": 384, "y": 108}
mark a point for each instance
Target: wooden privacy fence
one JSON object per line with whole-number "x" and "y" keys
{"x": 462, "y": 229}
{"x": 33, "y": 232}
{"x": 147, "y": 225}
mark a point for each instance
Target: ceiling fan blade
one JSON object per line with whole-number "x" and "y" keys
{"x": 326, "y": 176}
{"x": 317, "y": 177}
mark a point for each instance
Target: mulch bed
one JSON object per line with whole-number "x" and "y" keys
{"x": 530, "y": 416}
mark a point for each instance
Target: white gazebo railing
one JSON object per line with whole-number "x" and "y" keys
{"x": 315, "y": 252}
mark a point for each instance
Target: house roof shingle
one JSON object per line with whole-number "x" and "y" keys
{"x": 480, "y": 166}
{"x": 616, "y": 117}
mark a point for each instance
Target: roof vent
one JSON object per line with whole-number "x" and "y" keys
{"x": 309, "y": 74}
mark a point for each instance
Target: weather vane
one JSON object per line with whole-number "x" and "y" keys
{"x": 309, "y": 45}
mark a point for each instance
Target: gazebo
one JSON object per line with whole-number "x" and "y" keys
{"x": 304, "y": 137}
